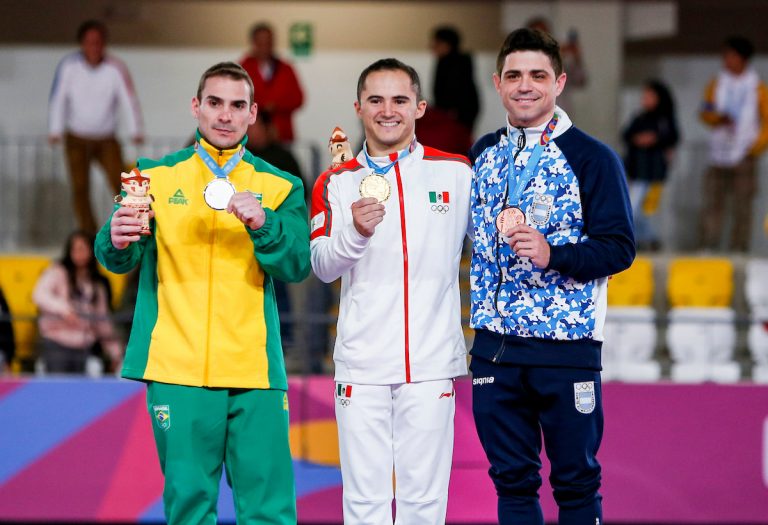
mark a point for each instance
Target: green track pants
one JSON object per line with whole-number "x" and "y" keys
{"x": 199, "y": 429}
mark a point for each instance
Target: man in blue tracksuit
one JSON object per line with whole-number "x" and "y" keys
{"x": 552, "y": 221}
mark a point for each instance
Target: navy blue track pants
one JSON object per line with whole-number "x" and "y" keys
{"x": 513, "y": 406}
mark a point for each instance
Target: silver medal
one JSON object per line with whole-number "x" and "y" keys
{"x": 218, "y": 192}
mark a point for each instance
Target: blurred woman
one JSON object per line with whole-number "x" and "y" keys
{"x": 72, "y": 299}
{"x": 650, "y": 139}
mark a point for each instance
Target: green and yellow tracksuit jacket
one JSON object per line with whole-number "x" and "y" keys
{"x": 205, "y": 312}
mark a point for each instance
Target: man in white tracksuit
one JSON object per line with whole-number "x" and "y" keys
{"x": 88, "y": 88}
{"x": 399, "y": 341}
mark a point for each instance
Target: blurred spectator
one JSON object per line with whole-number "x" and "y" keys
{"x": 650, "y": 138}
{"x": 7, "y": 341}
{"x": 735, "y": 107}
{"x": 276, "y": 87}
{"x": 573, "y": 65}
{"x": 262, "y": 142}
{"x": 448, "y": 123}
{"x": 73, "y": 310}
{"x": 87, "y": 87}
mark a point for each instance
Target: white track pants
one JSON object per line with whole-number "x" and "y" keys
{"x": 407, "y": 428}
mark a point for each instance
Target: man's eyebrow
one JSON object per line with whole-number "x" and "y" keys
{"x": 214, "y": 98}
{"x": 519, "y": 71}
{"x": 395, "y": 97}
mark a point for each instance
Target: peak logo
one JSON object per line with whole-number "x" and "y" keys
{"x": 479, "y": 381}
{"x": 178, "y": 198}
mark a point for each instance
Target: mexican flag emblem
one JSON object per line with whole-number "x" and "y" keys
{"x": 343, "y": 390}
{"x": 439, "y": 197}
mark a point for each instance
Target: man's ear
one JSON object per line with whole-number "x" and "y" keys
{"x": 560, "y": 83}
{"x": 253, "y": 112}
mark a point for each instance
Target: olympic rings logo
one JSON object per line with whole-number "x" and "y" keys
{"x": 441, "y": 208}
{"x": 344, "y": 402}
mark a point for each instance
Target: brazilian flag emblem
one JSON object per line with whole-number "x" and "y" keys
{"x": 162, "y": 416}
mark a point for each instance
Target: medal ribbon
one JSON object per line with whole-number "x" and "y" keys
{"x": 382, "y": 170}
{"x": 221, "y": 172}
{"x": 530, "y": 166}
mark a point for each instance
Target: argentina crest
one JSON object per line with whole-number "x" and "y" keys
{"x": 541, "y": 208}
{"x": 162, "y": 416}
{"x": 584, "y": 394}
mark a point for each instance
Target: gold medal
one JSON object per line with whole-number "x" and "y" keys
{"x": 508, "y": 218}
{"x": 375, "y": 186}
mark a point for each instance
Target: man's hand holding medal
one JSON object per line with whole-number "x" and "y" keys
{"x": 247, "y": 209}
{"x": 367, "y": 213}
{"x": 524, "y": 240}
{"x": 529, "y": 242}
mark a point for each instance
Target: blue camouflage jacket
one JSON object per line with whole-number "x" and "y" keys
{"x": 578, "y": 200}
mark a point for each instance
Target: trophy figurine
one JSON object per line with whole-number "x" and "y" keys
{"x": 136, "y": 188}
{"x": 339, "y": 146}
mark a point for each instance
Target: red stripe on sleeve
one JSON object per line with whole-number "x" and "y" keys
{"x": 320, "y": 214}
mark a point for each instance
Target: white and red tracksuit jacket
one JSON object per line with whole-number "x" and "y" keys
{"x": 400, "y": 313}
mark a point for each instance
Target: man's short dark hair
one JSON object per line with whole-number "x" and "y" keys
{"x": 525, "y": 39}
{"x": 258, "y": 27}
{"x": 741, "y": 45}
{"x": 390, "y": 64}
{"x": 225, "y": 69}
{"x": 88, "y": 25}
{"x": 449, "y": 35}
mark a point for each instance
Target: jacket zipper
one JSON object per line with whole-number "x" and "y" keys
{"x": 210, "y": 293}
{"x": 500, "y": 351}
{"x": 405, "y": 271}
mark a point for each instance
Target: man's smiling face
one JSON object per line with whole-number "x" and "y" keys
{"x": 388, "y": 110}
{"x": 528, "y": 88}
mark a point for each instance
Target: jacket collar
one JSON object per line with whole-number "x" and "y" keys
{"x": 216, "y": 153}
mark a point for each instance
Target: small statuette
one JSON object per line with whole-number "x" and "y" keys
{"x": 136, "y": 187}
{"x": 339, "y": 147}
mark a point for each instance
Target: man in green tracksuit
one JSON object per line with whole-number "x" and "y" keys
{"x": 206, "y": 334}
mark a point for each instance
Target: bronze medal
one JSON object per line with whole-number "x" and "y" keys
{"x": 508, "y": 218}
